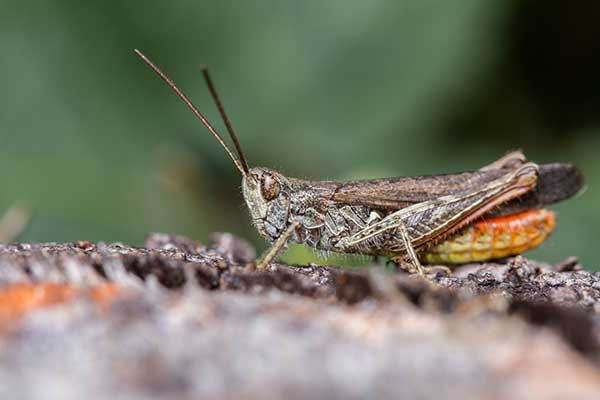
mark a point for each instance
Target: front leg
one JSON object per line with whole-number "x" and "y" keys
{"x": 276, "y": 247}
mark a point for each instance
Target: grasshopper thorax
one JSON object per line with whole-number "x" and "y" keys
{"x": 267, "y": 195}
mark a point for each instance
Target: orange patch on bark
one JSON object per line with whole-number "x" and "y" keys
{"x": 18, "y": 299}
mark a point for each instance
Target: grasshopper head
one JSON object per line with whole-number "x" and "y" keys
{"x": 266, "y": 193}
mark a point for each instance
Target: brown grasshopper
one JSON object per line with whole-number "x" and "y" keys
{"x": 468, "y": 216}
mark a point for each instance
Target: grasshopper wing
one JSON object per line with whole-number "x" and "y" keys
{"x": 556, "y": 182}
{"x": 397, "y": 193}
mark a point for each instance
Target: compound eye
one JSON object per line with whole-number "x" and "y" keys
{"x": 269, "y": 187}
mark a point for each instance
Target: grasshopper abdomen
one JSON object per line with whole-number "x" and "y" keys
{"x": 493, "y": 238}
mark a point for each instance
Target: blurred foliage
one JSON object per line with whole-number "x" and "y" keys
{"x": 98, "y": 148}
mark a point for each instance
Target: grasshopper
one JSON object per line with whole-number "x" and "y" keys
{"x": 409, "y": 219}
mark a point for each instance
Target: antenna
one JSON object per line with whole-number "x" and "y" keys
{"x": 243, "y": 168}
{"x": 232, "y": 134}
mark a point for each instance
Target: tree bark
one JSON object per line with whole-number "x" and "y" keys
{"x": 176, "y": 319}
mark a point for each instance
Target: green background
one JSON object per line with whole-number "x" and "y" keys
{"x": 98, "y": 148}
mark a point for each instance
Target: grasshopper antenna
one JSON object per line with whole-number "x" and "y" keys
{"x": 243, "y": 168}
{"x": 232, "y": 134}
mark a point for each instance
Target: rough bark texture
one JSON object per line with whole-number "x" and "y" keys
{"x": 176, "y": 319}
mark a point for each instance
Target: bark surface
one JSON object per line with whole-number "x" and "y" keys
{"x": 176, "y": 319}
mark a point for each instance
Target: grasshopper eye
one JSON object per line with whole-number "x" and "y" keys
{"x": 269, "y": 187}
